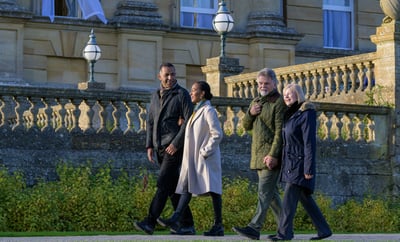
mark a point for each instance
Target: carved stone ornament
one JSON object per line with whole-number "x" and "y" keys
{"x": 391, "y": 9}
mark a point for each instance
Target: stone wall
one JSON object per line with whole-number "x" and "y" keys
{"x": 345, "y": 170}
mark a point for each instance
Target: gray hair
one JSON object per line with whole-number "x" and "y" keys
{"x": 266, "y": 72}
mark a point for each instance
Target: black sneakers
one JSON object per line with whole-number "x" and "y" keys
{"x": 144, "y": 226}
{"x": 248, "y": 232}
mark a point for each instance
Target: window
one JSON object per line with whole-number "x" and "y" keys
{"x": 338, "y": 24}
{"x": 73, "y": 8}
{"x": 67, "y": 8}
{"x": 198, "y": 13}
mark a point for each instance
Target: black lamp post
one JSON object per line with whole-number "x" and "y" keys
{"x": 91, "y": 53}
{"x": 223, "y": 23}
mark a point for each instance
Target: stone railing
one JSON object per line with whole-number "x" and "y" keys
{"x": 41, "y": 127}
{"x": 124, "y": 112}
{"x": 320, "y": 79}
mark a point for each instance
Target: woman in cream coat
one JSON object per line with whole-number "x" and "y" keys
{"x": 201, "y": 165}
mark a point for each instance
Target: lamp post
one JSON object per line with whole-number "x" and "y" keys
{"x": 91, "y": 53}
{"x": 223, "y": 23}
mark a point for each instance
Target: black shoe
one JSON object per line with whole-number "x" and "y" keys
{"x": 271, "y": 236}
{"x": 321, "y": 237}
{"x": 144, "y": 226}
{"x": 248, "y": 232}
{"x": 184, "y": 231}
{"x": 168, "y": 223}
{"x": 276, "y": 238}
{"x": 216, "y": 230}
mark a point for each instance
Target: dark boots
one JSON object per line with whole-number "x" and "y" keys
{"x": 217, "y": 229}
{"x": 172, "y": 222}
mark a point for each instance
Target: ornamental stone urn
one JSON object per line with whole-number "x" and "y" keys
{"x": 391, "y": 9}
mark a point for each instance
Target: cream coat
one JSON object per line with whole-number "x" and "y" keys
{"x": 201, "y": 164}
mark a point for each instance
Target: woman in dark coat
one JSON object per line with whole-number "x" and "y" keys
{"x": 298, "y": 164}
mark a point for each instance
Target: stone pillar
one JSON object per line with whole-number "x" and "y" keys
{"x": 387, "y": 75}
{"x": 217, "y": 69}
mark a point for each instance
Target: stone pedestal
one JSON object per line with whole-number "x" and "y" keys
{"x": 217, "y": 69}
{"x": 91, "y": 86}
{"x": 387, "y": 76}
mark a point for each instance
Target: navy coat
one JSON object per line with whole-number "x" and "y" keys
{"x": 299, "y": 146}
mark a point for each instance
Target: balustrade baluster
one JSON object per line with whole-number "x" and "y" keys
{"x": 280, "y": 84}
{"x": 370, "y": 129}
{"x": 130, "y": 115}
{"x": 102, "y": 104}
{"x": 360, "y": 127}
{"x": 307, "y": 84}
{"x": 360, "y": 75}
{"x": 337, "y": 79}
{"x": 142, "y": 117}
{"x": 76, "y": 114}
{"x": 345, "y": 78}
{"x": 62, "y": 113}
{"x": 322, "y": 80}
{"x": 247, "y": 89}
{"x": 34, "y": 111}
{"x": 350, "y": 126}
{"x": 329, "y": 80}
{"x": 254, "y": 88}
{"x": 235, "y": 90}
{"x": 339, "y": 126}
{"x": 9, "y": 112}
{"x": 301, "y": 82}
{"x": 116, "y": 114}
{"x": 47, "y": 115}
{"x": 353, "y": 77}
{"x": 315, "y": 81}
{"x": 19, "y": 112}
{"x": 89, "y": 103}
{"x": 369, "y": 75}
{"x": 241, "y": 91}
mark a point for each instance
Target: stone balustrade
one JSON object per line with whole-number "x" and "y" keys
{"x": 320, "y": 79}
{"x": 124, "y": 112}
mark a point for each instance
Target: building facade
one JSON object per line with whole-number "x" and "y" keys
{"x": 41, "y": 46}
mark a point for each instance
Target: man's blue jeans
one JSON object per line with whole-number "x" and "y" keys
{"x": 268, "y": 195}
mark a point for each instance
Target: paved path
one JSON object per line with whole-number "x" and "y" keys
{"x": 298, "y": 237}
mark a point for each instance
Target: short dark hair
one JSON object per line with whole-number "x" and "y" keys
{"x": 204, "y": 86}
{"x": 166, "y": 64}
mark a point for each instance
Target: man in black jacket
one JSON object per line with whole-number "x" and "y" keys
{"x": 170, "y": 108}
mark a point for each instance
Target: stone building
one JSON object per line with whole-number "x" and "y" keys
{"x": 137, "y": 36}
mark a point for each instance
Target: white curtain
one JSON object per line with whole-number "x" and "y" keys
{"x": 89, "y": 8}
{"x": 337, "y": 29}
{"x": 92, "y": 8}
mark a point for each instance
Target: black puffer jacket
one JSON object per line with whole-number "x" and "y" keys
{"x": 163, "y": 118}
